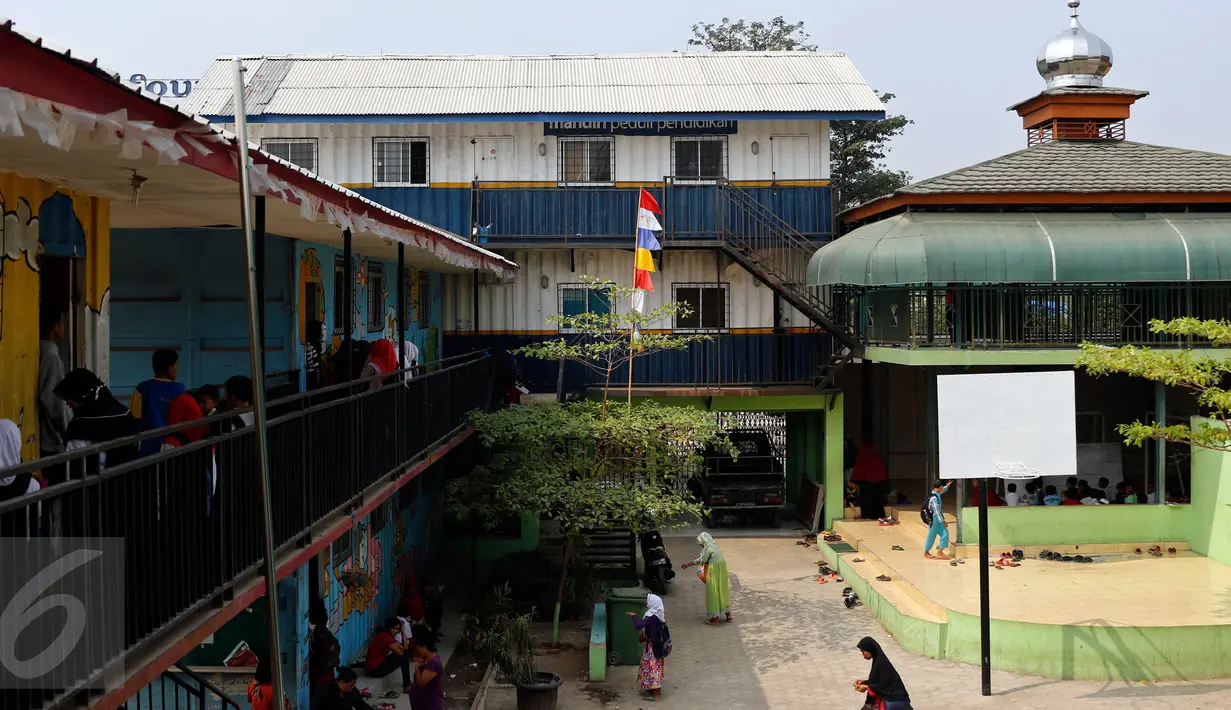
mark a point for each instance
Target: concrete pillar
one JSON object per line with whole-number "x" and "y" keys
{"x": 1160, "y": 445}
{"x": 796, "y": 454}
{"x": 835, "y": 482}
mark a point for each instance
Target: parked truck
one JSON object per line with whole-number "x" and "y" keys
{"x": 750, "y": 484}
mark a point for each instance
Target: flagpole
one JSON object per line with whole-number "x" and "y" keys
{"x": 632, "y": 331}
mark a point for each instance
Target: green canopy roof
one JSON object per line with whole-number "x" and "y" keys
{"x": 919, "y": 248}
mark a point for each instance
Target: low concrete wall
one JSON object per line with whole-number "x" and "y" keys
{"x": 1080, "y": 525}
{"x": 1211, "y": 496}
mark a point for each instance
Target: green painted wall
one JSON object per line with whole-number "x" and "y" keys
{"x": 1080, "y": 525}
{"x": 834, "y": 481}
{"x": 1211, "y": 516}
{"x": 974, "y": 356}
{"x": 796, "y": 448}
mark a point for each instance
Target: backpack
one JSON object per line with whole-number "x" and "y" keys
{"x": 660, "y": 641}
{"x": 926, "y": 511}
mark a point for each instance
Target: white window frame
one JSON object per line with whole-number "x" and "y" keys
{"x": 611, "y": 152}
{"x": 726, "y": 155}
{"x": 266, "y": 143}
{"x": 427, "y": 156}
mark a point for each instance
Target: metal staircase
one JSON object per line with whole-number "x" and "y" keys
{"x": 777, "y": 255}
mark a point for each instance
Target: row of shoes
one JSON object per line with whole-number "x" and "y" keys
{"x": 1157, "y": 551}
{"x": 850, "y": 598}
{"x": 1057, "y": 557}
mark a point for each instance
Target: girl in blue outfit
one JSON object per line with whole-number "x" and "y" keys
{"x": 938, "y": 527}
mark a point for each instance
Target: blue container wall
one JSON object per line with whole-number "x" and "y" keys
{"x": 444, "y": 207}
{"x": 316, "y": 264}
{"x": 186, "y": 289}
{"x": 730, "y": 359}
{"x": 521, "y": 214}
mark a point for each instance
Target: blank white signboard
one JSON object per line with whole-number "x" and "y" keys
{"x": 1003, "y": 418}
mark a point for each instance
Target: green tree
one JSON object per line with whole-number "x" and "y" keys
{"x": 857, "y": 151}
{"x": 741, "y": 35}
{"x": 584, "y": 468}
{"x": 603, "y": 339}
{"x": 1201, "y": 375}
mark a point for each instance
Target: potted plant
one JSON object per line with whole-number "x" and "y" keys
{"x": 510, "y": 645}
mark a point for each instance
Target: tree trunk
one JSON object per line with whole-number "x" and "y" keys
{"x": 555, "y": 621}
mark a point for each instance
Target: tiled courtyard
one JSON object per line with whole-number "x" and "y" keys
{"x": 793, "y": 646}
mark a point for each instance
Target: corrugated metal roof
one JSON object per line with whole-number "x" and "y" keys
{"x": 680, "y": 82}
{"x": 493, "y": 261}
{"x": 922, "y": 248}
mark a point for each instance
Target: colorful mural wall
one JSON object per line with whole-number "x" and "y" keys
{"x": 363, "y": 576}
{"x": 42, "y": 220}
{"x": 318, "y": 277}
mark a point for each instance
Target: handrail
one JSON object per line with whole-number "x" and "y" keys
{"x": 218, "y": 418}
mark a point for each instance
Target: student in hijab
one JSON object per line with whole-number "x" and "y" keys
{"x": 713, "y": 574}
{"x": 652, "y": 625}
{"x": 884, "y": 687}
{"x": 97, "y": 418}
{"x": 410, "y": 358}
{"x": 17, "y": 523}
{"x": 871, "y": 476}
{"x": 382, "y": 360}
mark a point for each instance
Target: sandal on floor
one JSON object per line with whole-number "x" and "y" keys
{"x": 857, "y": 559}
{"x": 713, "y": 621}
{"x": 959, "y": 560}
{"x": 883, "y": 578}
{"x": 953, "y": 563}
{"x": 390, "y": 694}
{"x": 898, "y": 548}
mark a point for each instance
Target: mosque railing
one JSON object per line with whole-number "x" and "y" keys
{"x": 188, "y": 519}
{"x": 1032, "y": 315}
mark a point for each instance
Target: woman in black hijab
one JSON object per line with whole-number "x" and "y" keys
{"x": 884, "y": 686}
{"x": 97, "y": 418}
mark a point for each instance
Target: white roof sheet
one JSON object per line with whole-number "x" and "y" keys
{"x": 679, "y": 82}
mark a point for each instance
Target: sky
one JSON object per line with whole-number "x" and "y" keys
{"x": 953, "y": 65}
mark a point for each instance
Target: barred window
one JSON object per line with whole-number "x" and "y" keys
{"x": 300, "y": 151}
{"x": 376, "y": 296}
{"x": 575, "y": 299}
{"x": 587, "y": 161}
{"x": 699, "y": 158}
{"x": 400, "y": 162}
{"x": 708, "y": 306}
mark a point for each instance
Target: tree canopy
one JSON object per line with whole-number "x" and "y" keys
{"x": 1201, "y": 375}
{"x": 857, "y": 149}
{"x": 741, "y": 35}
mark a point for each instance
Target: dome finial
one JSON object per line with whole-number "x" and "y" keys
{"x": 1075, "y": 57}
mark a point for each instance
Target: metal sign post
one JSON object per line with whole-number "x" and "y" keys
{"x": 258, "y": 383}
{"x": 985, "y": 623}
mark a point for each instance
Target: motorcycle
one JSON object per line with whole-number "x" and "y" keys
{"x": 656, "y": 565}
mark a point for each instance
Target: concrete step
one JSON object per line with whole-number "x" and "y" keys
{"x": 874, "y": 543}
{"x": 903, "y": 595}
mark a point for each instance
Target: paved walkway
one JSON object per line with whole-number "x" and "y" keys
{"x": 793, "y": 646}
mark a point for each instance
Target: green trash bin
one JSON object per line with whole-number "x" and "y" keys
{"x": 623, "y": 644}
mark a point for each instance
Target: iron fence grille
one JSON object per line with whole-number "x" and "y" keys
{"x": 190, "y": 516}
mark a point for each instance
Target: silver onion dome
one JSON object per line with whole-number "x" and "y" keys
{"x": 1075, "y": 57}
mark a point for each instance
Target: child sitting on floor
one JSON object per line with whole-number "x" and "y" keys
{"x": 1050, "y": 496}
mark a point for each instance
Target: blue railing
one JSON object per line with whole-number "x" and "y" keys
{"x": 598, "y": 215}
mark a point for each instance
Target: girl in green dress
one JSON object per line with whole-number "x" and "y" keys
{"x": 714, "y": 574}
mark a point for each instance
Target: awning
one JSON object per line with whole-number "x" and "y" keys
{"x": 66, "y": 121}
{"x": 921, "y": 248}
